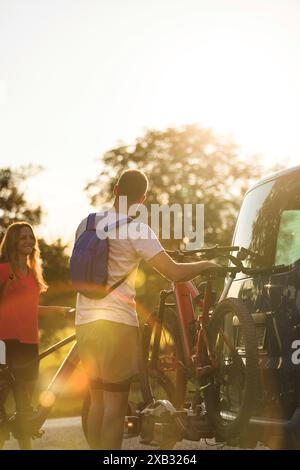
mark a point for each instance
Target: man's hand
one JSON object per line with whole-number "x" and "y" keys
{"x": 180, "y": 272}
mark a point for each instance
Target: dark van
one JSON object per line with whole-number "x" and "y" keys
{"x": 269, "y": 224}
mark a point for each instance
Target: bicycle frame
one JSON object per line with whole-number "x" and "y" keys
{"x": 185, "y": 294}
{"x": 64, "y": 372}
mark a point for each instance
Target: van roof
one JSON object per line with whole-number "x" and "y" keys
{"x": 274, "y": 176}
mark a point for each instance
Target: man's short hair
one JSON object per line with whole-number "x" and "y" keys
{"x": 133, "y": 184}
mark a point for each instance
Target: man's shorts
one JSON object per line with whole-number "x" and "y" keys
{"x": 109, "y": 351}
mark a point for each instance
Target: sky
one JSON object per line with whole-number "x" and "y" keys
{"x": 79, "y": 76}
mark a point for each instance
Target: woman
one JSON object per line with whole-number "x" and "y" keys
{"x": 21, "y": 282}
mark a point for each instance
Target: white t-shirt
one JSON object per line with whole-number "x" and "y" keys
{"x": 125, "y": 254}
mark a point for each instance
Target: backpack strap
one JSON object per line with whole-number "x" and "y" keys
{"x": 91, "y": 222}
{"x": 118, "y": 283}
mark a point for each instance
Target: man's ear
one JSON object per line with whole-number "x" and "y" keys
{"x": 116, "y": 190}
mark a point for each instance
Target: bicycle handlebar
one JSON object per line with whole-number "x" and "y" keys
{"x": 213, "y": 250}
{"x": 280, "y": 268}
{"x": 216, "y": 250}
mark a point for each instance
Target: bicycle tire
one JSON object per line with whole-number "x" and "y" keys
{"x": 173, "y": 383}
{"x": 247, "y": 369}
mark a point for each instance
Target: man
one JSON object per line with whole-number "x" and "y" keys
{"x": 107, "y": 329}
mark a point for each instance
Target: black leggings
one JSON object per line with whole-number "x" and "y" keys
{"x": 23, "y": 364}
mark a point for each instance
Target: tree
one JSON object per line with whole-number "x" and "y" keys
{"x": 55, "y": 261}
{"x": 57, "y": 273}
{"x": 188, "y": 164}
{"x": 13, "y": 204}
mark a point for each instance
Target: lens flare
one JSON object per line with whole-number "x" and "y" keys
{"x": 47, "y": 398}
{"x": 140, "y": 279}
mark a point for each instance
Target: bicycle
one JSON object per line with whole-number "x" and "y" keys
{"x": 216, "y": 350}
{"x": 35, "y": 419}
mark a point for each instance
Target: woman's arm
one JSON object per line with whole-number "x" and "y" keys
{"x": 53, "y": 310}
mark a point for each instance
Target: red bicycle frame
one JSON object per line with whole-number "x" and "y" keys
{"x": 186, "y": 293}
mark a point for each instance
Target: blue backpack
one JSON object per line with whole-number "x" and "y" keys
{"x": 89, "y": 260}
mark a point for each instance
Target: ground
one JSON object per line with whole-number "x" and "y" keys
{"x": 66, "y": 433}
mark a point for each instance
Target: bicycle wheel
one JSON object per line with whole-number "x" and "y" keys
{"x": 230, "y": 392}
{"x": 165, "y": 368}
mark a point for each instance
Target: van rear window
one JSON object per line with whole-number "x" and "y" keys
{"x": 269, "y": 222}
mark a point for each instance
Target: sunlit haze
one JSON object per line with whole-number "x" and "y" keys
{"x": 77, "y": 76}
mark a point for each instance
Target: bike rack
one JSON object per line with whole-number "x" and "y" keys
{"x": 160, "y": 422}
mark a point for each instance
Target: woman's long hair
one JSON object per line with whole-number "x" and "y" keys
{"x": 9, "y": 253}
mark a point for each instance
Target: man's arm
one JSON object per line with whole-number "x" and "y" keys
{"x": 179, "y": 272}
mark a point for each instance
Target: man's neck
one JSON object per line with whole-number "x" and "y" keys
{"x": 119, "y": 209}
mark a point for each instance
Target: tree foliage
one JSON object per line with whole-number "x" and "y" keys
{"x": 13, "y": 204}
{"x": 188, "y": 164}
{"x": 55, "y": 261}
